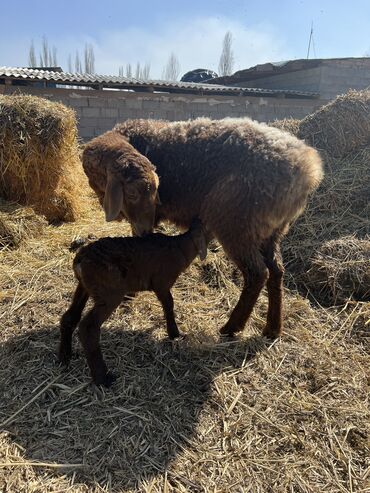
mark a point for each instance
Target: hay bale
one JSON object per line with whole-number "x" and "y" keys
{"x": 18, "y": 224}
{"x": 341, "y": 270}
{"x": 340, "y": 207}
{"x": 290, "y": 125}
{"x": 341, "y": 126}
{"x": 39, "y": 156}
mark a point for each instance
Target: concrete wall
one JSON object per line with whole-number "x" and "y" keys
{"x": 338, "y": 78}
{"x": 98, "y": 111}
{"x": 331, "y": 78}
{"x": 302, "y": 80}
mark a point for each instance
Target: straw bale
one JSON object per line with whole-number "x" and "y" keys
{"x": 290, "y": 125}
{"x": 341, "y": 126}
{"x": 340, "y": 270}
{"x": 340, "y": 207}
{"x": 39, "y": 156}
{"x": 18, "y": 223}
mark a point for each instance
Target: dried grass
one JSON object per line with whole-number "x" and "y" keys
{"x": 290, "y": 125}
{"x": 200, "y": 415}
{"x": 339, "y": 208}
{"x": 340, "y": 270}
{"x": 39, "y": 157}
{"x": 340, "y": 127}
{"x": 17, "y": 224}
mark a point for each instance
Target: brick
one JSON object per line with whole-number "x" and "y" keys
{"x": 109, "y": 112}
{"x": 90, "y": 112}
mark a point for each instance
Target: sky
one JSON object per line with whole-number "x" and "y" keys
{"x": 143, "y": 31}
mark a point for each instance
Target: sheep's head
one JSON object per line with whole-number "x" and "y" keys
{"x": 133, "y": 196}
{"x": 124, "y": 180}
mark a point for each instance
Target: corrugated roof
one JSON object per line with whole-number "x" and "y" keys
{"x": 274, "y": 68}
{"x": 115, "y": 82}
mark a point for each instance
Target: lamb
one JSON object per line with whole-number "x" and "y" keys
{"x": 110, "y": 268}
{"x": 246, "y": 181}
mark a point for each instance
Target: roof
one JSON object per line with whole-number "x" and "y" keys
{"x": 94, "y": 81}
{"x": 275, "y": 68}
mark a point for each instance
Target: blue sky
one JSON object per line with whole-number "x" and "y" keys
{"x": 147, "y": 31}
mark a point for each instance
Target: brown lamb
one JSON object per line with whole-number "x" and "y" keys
{"x": 110, "y": 268}
{"x": 246, "y": 181}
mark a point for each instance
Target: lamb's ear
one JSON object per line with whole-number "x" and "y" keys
{"x": 113, "y": 198}
{"x": 202, "y": 245}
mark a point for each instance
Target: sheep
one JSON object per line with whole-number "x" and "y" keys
{"x": 246, "y": 181}
{"x": 110, "y": 268}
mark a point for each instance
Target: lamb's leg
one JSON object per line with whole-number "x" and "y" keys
{"x": 89, "y": 335}
{"x": 69, "y": 322}
{"x": 274, "y": 263}
{"x": 255, "y": 273}
{"x": 165, "y": 297}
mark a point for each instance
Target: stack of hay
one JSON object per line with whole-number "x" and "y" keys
{"x": 39, "y": 157}
{"x": 341, "y": 270}
{"x": 337, "y": 218}
{"x": 341, "y": 126}
{"x": 17, "y": 224}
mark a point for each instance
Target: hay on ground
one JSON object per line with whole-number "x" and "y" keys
{"x": 18, "y": 224}
{"x": 198, "y": 415}
{"x": 39, "y": 156}
{"x": 340, "y": 271}
{"x": 340, "y": 127}
{"x": 290, "y": 125}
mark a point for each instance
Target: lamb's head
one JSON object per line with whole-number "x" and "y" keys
{"x": 124, "y": 180}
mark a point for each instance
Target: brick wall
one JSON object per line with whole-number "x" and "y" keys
{"x": 98, "y": 111}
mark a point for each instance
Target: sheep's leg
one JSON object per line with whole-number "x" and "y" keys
{"x": 69, "y": 322}
{"x": 255, "y": 274}
{"x": 274, "y": 263}
{"x": 89, "y": 335}
{"x": 165, "y": 297}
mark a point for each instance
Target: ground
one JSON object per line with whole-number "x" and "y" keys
{"x": 198, "y": 415}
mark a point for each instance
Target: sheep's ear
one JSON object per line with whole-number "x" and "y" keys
{"x": 113, "y": 198}
{"x": 202, "y": 245}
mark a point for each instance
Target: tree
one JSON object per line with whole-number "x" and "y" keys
{"x": 32, "y": 62}
{"x": 225, "y": 66}
{"x": 171, "y": 70}
{"x": 78, "y": 64}
{"x": 145, "y": 72}
{"x": 47, "y": 55}
{"x": 70, "y": 68}
{"x": 129, "y": 70}
{"x": 89, "y": 58}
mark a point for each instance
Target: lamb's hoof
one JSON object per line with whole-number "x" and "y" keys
{"x": 109, "y": 379}
{"x": 178, "y": 336}
{"x": 271, "y": 333}
{"x": 64, "y": 357}
{"x": 229, "y": 330}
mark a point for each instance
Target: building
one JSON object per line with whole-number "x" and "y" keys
{"x": 326, "y": 77}
{"x": 102, "y": 101}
